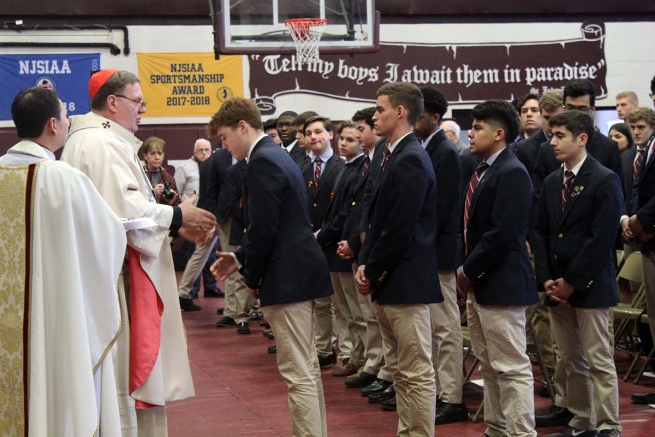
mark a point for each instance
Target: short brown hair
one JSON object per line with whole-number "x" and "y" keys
{"x": 346, "y": 124}
{"x": 642, "y": 113}
{"x": 152, "y": 143}
{"x": 233, "y": 111}
{"x": 115, "y": 85}
{"x": 404, "y": 94}
{"x": 551, "y": 100}
{"x": 327, "y": 123}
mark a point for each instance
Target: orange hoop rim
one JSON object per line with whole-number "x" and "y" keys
{"x": 307, "y": 21}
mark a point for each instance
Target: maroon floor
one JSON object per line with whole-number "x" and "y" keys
{"x": 240, "y": 393}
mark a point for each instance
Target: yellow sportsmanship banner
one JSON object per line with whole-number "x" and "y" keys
{"x": 188, "y": 84}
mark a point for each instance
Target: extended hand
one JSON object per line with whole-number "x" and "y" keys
{"x": 194, "y": 217}
{"x": 198, "y": 236}
{"x": 224, "y": 266}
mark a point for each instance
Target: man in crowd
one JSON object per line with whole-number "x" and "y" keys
{"x": 270, "y": 127}
{"x": 452, "y": 131}
{"x": 58, "y": 280}
{"x": 575, "y": 233}
{"x": 626, "y": 102}
{"x": 187, "y": 179}
{"x": 530, "y": 116}
{"x": 281, "y": 261}
{"x": 397, "y": 263}
{"x": 320, "y": 173}
{"x": 497, "y": 273}
{"x": 103, "y": 146}
{"x": 447, "y": 338}
{"x": 348, "y": 321}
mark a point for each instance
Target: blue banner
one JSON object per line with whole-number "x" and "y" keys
{"x": 67, "y": 75}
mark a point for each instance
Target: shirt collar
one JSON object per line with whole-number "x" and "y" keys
{"x": 290, "y": 146}
{"x": 493, "y": 157}
{"x": 428, "y": 139}
{"x": 393, "y": 146}
{"x": 354, "y": 159}
{"x": 575, "y": 169}
{"x": 252, "y": 146}
{"x": 324, "y": 157}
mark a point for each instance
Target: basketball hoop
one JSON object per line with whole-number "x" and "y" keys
{"x": 306, "y": 33}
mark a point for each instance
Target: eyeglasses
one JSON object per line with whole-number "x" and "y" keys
{"x": 284, "y": 125}
{"x": 577, "y": 108}
{"x": 139, "y": 103}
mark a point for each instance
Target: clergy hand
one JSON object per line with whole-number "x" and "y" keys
{"x": 224, "y": 266}
{"x": 196, "y": 218}
{"x": 362, "y": 282}
{"x": 344, "y": 250}
{"x": 196, "y": 235}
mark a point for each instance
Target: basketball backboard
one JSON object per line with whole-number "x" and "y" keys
{"x": 258, "y": 26}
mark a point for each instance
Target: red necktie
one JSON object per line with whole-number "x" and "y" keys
{"x": 475, "y": 179}
{"x": 385, "y": 156}
{"x": 567, "y": 186}
{"x": 637, "y": 163}
{"x": 317, "y": 171}
{"x": 367, "y": 164}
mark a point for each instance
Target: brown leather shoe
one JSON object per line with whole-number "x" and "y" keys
{"x": 347, "y": 370}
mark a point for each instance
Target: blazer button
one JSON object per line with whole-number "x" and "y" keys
{"x": 561, "y": 235}
{"x": 315, "y": 206}
{"x": 555, "y": 256}
{"x": 354, "y": 203}
{"x": 245, "y": 230}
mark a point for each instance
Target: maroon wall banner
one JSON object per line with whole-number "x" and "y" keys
{"x": 465, "y": 73}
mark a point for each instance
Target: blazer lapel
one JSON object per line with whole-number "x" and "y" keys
{"x": 577, "y": 187}
{"x": 330, "y": 167}
{"x": 486, "y": 178}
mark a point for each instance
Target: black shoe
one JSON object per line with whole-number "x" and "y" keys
{"x": 378, "y": 398}
{"x": 569, "y": 431}
{"x": 450, "y": 413}
{"x": 327, "y": 361}
{"x": 215, "y": 292}
{"x": 225, "y": 321}
{"x": 272, "y": 349}
{"x": 193, "y": 294}
{"x": 543, "y": 391}
{"x": 243, "y": 328}
{"x": 360, "y": 381}
{"x": 188, "y": 305}
{"x": 643, "y": 398}
{"x": 389, "y": 405}
{"x": 609, "y": 433}
{"x": 556, "y": 416}
{"x": 377, "y": 386}
{"x": 255, "y": 316}
{"x": 219, "y": 311}
{"x": 268, "y": 333}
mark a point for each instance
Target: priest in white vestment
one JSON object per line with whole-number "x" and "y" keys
{"x": 61, "y": 251}
{"x": 152, "y": 366}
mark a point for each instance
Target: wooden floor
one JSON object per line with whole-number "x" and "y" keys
{"x": 240, "y": 393}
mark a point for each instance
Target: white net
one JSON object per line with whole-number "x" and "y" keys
{"x": 306, "y": 33}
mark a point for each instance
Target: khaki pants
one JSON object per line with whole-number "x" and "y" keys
{"x": 237, "y": 298}
{"x": 648, "y": 261}
{"x": 543, "y": 332}
{"x": 375, "y": 348}
{"x": 447, "y": 342}
{"x": 348, "y": 313}
{"x": 297, "y": 362}
{"x": 583, "y": 338}
{"x": 194, "y": 267}
{"x": 407, "y": 330}
{"x": 498, "y": 340}
{"x": 324, "y": 325}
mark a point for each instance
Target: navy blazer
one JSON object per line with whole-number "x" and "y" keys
{"x": 448, "y": 171}
{"x": 577, "y": 244}
{"x": 399, "y": 250}
{"x": 527, "y": 150}
{"x": 234, "y": 199}
{"x": 216, "y": 171}
{"x": 338, "y": 212}
{"x": 297, "y": 153}
{"x": 319, "y": 199}
{"x": 642, "y": 200}
{"x": 498, "y": 263}
{"x": 601, "y": 148}
{"x": 280, "y": 255}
